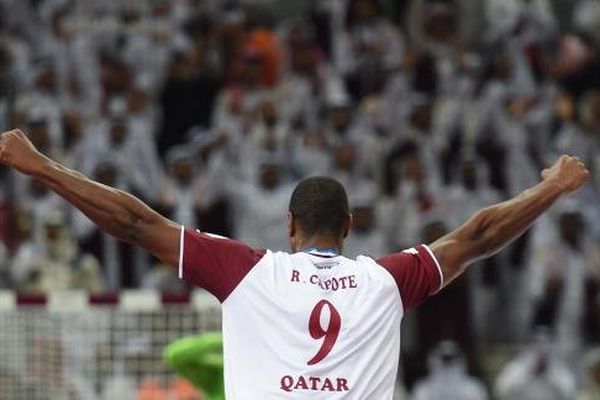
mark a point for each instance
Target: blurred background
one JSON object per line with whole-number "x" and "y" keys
{"x": 211, "y": 110}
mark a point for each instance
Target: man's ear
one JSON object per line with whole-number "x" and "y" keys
{"x": 291, "y": 224}
{"x": 348, "y": 225}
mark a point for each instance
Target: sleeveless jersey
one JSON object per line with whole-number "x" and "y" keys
{"x": 308, "y": 325}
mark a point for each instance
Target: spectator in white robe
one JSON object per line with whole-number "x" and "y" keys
{"x": 366, "y": 237}
{"x": 417, "y": 128}
{"x": 536, "y": 373}
{"x": 565, "y": 259}
{"x": 38, "y": 201}
{"x": 470, "y": 192}
{"x": 57, "y": 263}
{"x": 264, "y": 137}
{"x": 511, "y": 129}
{"x": 150, "y": 38}
{"x": 577, "y": 122}
{"x": 367, "y": 41}
{"x": 244, "y": 96}
{"x": 346, "y": 126}
{"x": 39, "y": 102}
{"x": 75, "y": 133}
{"x": 310, "y": 153}
{"x": 529, "y": 20}
{"x": 586, "y": 18}
{"x": 344, "y": 165}
{"x": 260, "y": 207}
{"x": 343, "y": 123}
{"x": 75, "y": 58}
{"x": 133, "y": 152}
{"x": 183, "y": 192}
{"x": 448, "y": 377}
{"x": 412, "y": 197}
{"x": 270, "y": 132}
{"x": 300, "y": 92}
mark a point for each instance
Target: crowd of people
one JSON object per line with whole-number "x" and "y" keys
{"x": 211, "y": 110}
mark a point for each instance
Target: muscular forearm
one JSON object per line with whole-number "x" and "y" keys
{"x": 113, "y": 210}
{"x": 492, "y": 228}
{"x": 500, "y": 224}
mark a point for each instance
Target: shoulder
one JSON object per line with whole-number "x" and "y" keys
{"x": 216, "y": 263}
{"x": 417, "y": 273}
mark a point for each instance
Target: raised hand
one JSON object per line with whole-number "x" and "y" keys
{"x": 568, "y": 172}
{"x": 17, "y": 151}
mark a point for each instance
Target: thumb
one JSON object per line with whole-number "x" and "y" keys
{"x": 545, "y": 172}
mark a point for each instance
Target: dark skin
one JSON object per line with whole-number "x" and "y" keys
{"x": 129, "y": 219}
{"x": 299, "y": 240}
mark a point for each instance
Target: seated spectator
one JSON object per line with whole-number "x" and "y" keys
{"x": 57, "y": 264}
{"x": 448, "y": 377}
{"x": 536, "y": 373}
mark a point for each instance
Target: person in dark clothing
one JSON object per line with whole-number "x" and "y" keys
{"x": 186, "y": 100}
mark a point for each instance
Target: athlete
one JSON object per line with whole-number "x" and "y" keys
{"x": 310, "y": 323}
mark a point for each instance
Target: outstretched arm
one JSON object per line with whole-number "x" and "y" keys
{"x": 492, "y": 228}
{"x": 114, "y": 211}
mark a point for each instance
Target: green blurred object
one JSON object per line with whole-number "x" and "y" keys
{"x": 199, "y": 359}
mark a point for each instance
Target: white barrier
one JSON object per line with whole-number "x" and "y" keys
{"x": 79, "y": 347}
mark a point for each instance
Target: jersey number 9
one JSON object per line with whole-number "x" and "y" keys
{"x": 330, "y": 334}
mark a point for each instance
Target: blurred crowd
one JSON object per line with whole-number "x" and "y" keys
{"x": 426, "y": 110}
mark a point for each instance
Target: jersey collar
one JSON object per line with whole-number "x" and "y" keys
{"x": 315, "y": 251}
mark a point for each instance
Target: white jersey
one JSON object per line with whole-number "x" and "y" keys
{"x": 309, "y": 325}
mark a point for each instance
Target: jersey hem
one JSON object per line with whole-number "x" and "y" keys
{"x": 437, "y": 264}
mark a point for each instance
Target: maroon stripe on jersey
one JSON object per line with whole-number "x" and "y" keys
{"x": 416, "y": 273}
{"x": 215, "y": 263}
